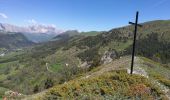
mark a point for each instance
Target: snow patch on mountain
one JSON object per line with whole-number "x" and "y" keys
{"x": 36, "y": 28}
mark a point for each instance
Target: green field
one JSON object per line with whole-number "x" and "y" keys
{"x": 56, "y": 67}
{"x": 91, "y": 33}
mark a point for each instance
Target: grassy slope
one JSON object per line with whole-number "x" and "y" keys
{"x": 2, "y": 91}
{"x": 63, "y": 57}
{"x": 34, "y": 61}
{"x": 121, "y": 38}
{"x": 105, "y": 82}
{"x": 13, "y": 41}
{"x": 30, "y": 65}
{"x": 91, "y": 33}
{"x": 110, "y": 85}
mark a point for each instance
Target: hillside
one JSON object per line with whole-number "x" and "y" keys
{"x": 13, "y": 40}
{"x": 69, "y": 57}
{"x": 66, "y": 35}
{"x": 39, "y": 37}
{"x": 90, "y": 33}
{"x": 112, "y": 80}
{"x": 72, "y": 33}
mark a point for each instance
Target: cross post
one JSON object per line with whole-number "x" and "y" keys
{"x": 134, "y": 40}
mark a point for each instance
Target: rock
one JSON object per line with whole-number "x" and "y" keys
{"x": 108, "y": 56}
{"x": 3, "y": 54}
{"x": 67, "y": 64}
{"x": 85, "y": 65}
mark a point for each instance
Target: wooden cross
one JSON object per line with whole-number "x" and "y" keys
{"x": 134, "y": 40}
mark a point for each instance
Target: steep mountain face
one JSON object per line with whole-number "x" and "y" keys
{"x": 35, "y": 33}
{"x": 13, "y": 41}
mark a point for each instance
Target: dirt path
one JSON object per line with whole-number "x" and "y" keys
{"x": 47, "y": 66}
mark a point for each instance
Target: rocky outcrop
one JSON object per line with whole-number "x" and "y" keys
{"x": 85, "y": 65}
{"x": 108, "y": 56}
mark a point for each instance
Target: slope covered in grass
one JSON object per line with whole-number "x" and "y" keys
{"x": 112, "y": 81}
{"x": 91, "y": 33}
{"x": 111, "y": 85}
{"x": 27, "y": 72}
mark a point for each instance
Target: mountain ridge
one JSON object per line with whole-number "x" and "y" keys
{"x": 14, "y": 41}
{"x": 36, "y": 33}
{"x": 29, "y": 29}
{"x": 43, "y": 62}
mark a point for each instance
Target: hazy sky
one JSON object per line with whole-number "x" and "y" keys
{"x": 83, "y": 15}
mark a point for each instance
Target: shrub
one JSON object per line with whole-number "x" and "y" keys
{"x": 115, "y": 84}
{"x": 36, "y": 89}
{"x": 49, "y": 83}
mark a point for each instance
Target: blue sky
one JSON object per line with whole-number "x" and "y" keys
{"x": 83, "y": 15}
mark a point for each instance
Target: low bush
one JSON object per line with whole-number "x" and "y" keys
{"x": 114, "y": 84}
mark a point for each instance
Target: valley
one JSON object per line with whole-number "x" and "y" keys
{"x": 78, "y": 65}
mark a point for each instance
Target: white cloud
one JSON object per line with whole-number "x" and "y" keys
{"x": 32, "y": 21}
{"x": 37, "y": 27}
{"x": 2, "y": 15}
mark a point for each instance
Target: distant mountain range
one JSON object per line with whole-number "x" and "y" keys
{"x": 13, "y": 36}
{"x": 42, "y": 33}
{"x": 30, "y": 29}
{"x": 35, "y": 33}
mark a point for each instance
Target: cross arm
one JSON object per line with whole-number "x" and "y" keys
{"x": 134, "y": 24}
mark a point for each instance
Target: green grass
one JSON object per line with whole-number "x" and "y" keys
{"x": 153, "y": 67}
{"x": 56, "y": 67}
{"x": 1, "y": 65}
{"x": 118, "y": 46}
{"x": 12, "y": 56}
{"x": 91, "y": 33}
{"x": 7, "y": 63}
{"x": 7, "y": 69}
{"x": 161, "y": 79}
{"x": 157, "y": 71}
{"x": 2, "y": 91}
{"x": 33, "y": 62}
